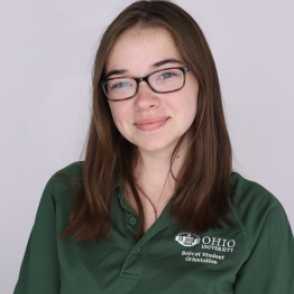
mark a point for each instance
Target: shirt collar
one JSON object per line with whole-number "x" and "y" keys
{"x": 165, "y": 219}
{"x": 120, "y": 186}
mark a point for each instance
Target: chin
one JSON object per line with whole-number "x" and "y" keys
{"x": 158, "y": 145}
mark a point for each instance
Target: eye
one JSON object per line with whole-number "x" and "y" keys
{"x": 120, "y": 85}
{"x": 167, "y": 75}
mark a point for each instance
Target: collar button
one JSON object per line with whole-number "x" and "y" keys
{"x": 137, "y": 251}
{"x": 132, "y": 221}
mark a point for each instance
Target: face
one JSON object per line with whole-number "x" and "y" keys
{"x": 135, "y": 54}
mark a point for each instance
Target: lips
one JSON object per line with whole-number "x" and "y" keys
{"x": 151, "y": 123}
{"x": 151, "y": 120}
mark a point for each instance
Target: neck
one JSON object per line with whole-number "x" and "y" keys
{"x": 152, "y": 171}
{"x": 153, "y": 177}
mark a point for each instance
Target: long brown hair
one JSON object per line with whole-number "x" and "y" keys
{"x": 201, "y": 198}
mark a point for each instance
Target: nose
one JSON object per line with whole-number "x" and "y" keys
{"x": 144, "y": 84}
{"x": 145, "y": 97}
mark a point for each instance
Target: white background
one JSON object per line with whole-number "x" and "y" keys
{"x": 47, "y": 51}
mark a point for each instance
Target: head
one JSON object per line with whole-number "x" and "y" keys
{"x": 143, "y": 34}
{"x": 139, "y": 52}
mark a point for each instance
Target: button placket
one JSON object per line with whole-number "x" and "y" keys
{"x": 135, "y": 261}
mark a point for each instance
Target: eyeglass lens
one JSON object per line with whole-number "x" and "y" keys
{"x": 161, "y": 81}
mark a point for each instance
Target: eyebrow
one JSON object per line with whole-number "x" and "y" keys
{"x": 157, "y": 64}
{"x": 165, "y": 61}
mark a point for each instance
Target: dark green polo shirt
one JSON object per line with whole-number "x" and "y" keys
{"x": 253, "y": 256}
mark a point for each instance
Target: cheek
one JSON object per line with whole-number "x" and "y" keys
{"x": 190, "y": 111}
{"x": 119, "y": 114}
{"x": 191, "y": 95}
{"x": 193, "y": 98}
{"x": 187, "y": 106}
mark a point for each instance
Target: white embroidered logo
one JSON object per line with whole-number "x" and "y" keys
{"x": 187, "y": 239}
{"x": 208, "y": 243}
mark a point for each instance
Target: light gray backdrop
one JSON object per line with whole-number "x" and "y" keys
{"x": 47, "y": 50}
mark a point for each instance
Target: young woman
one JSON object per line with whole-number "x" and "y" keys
{"x": 155, "y": 206}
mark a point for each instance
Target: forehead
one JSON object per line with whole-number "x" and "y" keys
{"x": 139, "y": 47}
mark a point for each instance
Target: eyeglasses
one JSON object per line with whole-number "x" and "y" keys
{"x": 161, "y": 81}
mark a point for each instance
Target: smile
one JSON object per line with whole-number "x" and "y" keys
{"x": 151, "y": 126}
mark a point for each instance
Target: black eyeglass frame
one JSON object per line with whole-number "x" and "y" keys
{"x": 138, "y": 80}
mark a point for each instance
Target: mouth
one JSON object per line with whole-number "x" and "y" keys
{"x": 151, "y": 120}
{"x": 152, "y": 126}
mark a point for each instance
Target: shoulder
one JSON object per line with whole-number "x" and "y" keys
{"x": 256, "y": 209}
{"x": 60, "y": 192}
{"x": 64, "y": 181}
{"x": 74, "y": 169}
{"x": 69, "y": 176}
{"x": 249, "y": 194}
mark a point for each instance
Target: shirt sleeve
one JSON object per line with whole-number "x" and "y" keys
{"x": 269, "y": 268}
{"x": 39, "y": 272}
